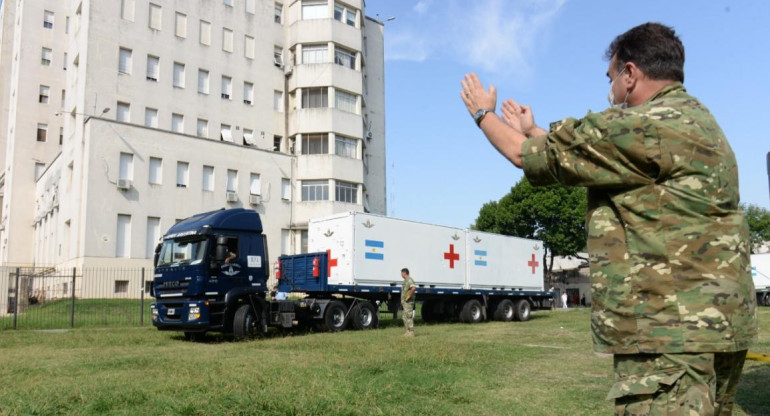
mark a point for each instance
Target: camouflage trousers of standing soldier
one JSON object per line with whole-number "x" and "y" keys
{"x": 676, "y": 384}
{"x": 408, "y": 316}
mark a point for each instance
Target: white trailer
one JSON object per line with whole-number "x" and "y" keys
{"x": 760, "y": 272}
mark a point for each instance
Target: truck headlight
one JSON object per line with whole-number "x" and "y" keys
{"x": 194, "y": 313}
{"x": 154, "y": 314}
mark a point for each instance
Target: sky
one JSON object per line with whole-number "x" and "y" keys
{"x": 548, "y": 54}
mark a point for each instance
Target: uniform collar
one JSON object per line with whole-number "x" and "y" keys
{"x": 672, "y": 88}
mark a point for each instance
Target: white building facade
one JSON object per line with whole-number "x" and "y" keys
{"x": 156, "y": 110}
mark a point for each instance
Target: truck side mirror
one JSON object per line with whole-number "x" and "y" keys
{"x": 221, "y": 252}
{"x": 157, "y": 255}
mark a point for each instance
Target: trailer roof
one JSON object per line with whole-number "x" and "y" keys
{"x": 236, "y": 219}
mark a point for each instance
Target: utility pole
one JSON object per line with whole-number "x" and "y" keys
{"x": 768, "y": 172}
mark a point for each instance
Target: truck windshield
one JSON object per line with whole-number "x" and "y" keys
{"x": 179, "y": 252}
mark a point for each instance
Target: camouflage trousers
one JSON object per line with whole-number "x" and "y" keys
{"x": 408, "y": 315}
{"x": 676, "y": 384}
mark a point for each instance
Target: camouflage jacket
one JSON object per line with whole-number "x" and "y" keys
{"x": 668, "y": 243}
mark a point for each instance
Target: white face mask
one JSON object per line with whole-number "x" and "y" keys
{"x": 611, "y": 95}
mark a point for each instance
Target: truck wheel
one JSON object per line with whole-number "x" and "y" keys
{"x": 428, "y": 313}
{"x": 504, "y": 311}
{"x": 471, "y": 312}
{"x": 766, "y": 299}
{"x": 245, "y": 323}
{"x": 522, "y": 310}
{"x": 364, "y": 316}
{"x": 334, "y": 316}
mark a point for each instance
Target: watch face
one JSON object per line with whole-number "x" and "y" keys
{"x": 479, "y": 113}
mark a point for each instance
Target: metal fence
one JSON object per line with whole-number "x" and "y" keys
{"x": 53, "y": 298}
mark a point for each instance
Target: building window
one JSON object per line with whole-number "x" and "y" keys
{"x": 345, "y": 147}
{"x": 345, "y": 101}
{"x": 205, "y": 33}
{"x": 177, "y": 123}
{"x": 63, "y": 97}
{"x": 124, "y": 61}
{"x": 182, "y": 174}
{"x": 225, "y": 133}
{"x": 314, "y": 54}
{"x": 155, "y": 16}
{"x": 278, "y": 101}
{"x": 121, "y": 286}
{"x": 285, "y": 189}
{"x": 228, "y": 2}
{"x": 153, "y": 236}
{"x": 153, "y": 68}
{"x": 127, "y": 10}
{"x": 227, "y": 87}
{"x": 64, "y": 61}
{"x": 124, "y": 112}
{"x": 61, "y": 135}
{"x": 315, "y": 190}
{"x": 232, "y": 180}
{"x": 255, "y": 187}
{"x": 126, "y": 166}
{"x": 178, "y": 75}
{"x": 46, "y": 56}
{"x": 43, "y": 96}
{"x": 315, "y": 97}
{"x": 123, "y": 244}
{"x": 203, "y": 81}
{"x": 278, "y": 56}
{"x": 344, "y": 57}
{"x": 250, "y": 6}
{"x": 277, "y": 141}
{"x": 151, "y": 117}
{"x": 39, "y": 169}
{"x": 47, "y": 19}
{"x": 202, "y": 129}
{"x": 208, "y": 178}
{"x": 315, "y": 144}
{"x": 278, "y": 12}
{"x": 181, "y": 25}
{"x": 248, "y": 50}
{"x": 42, "y": 132}
{"x": 248, "y": 137}
{"x": 227, "y": 40}
{"x": 346, "y": 192}
{"x": 314, "y": 10}
{"x": 248, "y": 92}
{"x": 156, "y": 171}
{"x": 345, "y": 14}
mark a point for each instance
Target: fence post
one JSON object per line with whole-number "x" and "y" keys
{"x": 72, "y": 305}
{"x": 16, "y": 301}
{"x": 141, "y": 307}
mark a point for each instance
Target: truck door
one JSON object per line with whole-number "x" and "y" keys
{"x": 230, "y": 261}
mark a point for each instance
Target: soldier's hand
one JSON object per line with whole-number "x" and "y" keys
{"x": 475, "y": 96}
{"x": 518, "y": 116}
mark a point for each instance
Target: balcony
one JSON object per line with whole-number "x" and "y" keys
{"x": 326, "y": 166}
{"x": 321, "y": 120}
{"x": 328, "y": 74}
{"x": 325, "y": 30}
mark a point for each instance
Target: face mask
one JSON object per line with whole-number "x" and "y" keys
{"x": 611, "y": 95}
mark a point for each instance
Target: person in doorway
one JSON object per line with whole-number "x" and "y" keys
{"x": 671, "y": 289}
{"x": 408, "y": 289}
{"x": 583, "y": 300}
{"x": 564, "y": 300}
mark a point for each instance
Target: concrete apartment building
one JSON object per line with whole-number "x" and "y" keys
{"x": 121, "y": 117}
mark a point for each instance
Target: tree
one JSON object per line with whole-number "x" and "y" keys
{"x": 759, "y": 225}
{"x": 554, "y": 214}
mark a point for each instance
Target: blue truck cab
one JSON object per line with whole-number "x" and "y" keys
{"x": 211, "y": 272}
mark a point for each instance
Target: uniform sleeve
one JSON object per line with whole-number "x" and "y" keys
{"x": 609, "y": 149}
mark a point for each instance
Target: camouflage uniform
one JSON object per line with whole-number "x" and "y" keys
{"x": 408, "y": 305}
{"x": 668, "y": 244}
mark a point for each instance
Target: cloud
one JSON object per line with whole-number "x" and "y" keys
{"x": 498, "y": 36}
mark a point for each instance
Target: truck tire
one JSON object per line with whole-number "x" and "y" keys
{"x": 522, "y": 310}
{"x": 245, "y": 323}
{"x": 335, "y": 318}
{"x": 428, "y": 312}
{"x": 364, "y": 316}
{"x": 504, "y": 311}
{"x": 472, "y": 312}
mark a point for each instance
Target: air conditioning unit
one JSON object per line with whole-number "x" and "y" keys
{"x": 231, "y": 196}
{"x": 255, "y": 199}
{"x": 124, "y": 184}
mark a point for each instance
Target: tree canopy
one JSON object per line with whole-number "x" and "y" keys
{"x": 759, "y": 225}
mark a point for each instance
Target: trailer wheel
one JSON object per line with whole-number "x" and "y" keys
{"x": 364, "y": 316}
{"x": 522, "y": 310}
{"x": 766, "y": 299}
{"x": 471, "y": 312}
{"x": 245, "y": 323}
{"x": 335, "y": 318}
{"x": 428, "y": 312}
{"x": 504, "y": 311}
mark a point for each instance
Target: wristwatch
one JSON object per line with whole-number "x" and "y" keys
{"x": 479, "y": 115}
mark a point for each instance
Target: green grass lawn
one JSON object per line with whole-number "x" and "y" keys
{"x": 542, "y": 367}
{"x": 88, "y": 313}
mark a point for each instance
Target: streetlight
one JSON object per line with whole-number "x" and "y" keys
{"x": 88, "y": 116}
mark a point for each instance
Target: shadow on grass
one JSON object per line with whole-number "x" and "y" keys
{"x": 752, "y": 391}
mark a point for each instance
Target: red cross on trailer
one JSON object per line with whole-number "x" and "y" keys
{"x": 452, "y": 256}
{"x": 533, "y": 263}
{"x": 332, "y": 263}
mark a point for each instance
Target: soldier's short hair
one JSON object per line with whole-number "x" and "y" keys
{"x": 405, "y": 270}
{"x": 654, "y": 48}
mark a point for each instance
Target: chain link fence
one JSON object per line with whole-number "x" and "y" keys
{"x": 54, "y": 298}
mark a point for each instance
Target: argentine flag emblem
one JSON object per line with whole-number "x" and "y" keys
{"x": 481, "y": 257}
{"x": 375, "y": 250}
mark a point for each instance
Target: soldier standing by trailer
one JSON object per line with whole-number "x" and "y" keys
{"x": 407, "y": 301}
{"x": 671, "y": 290}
